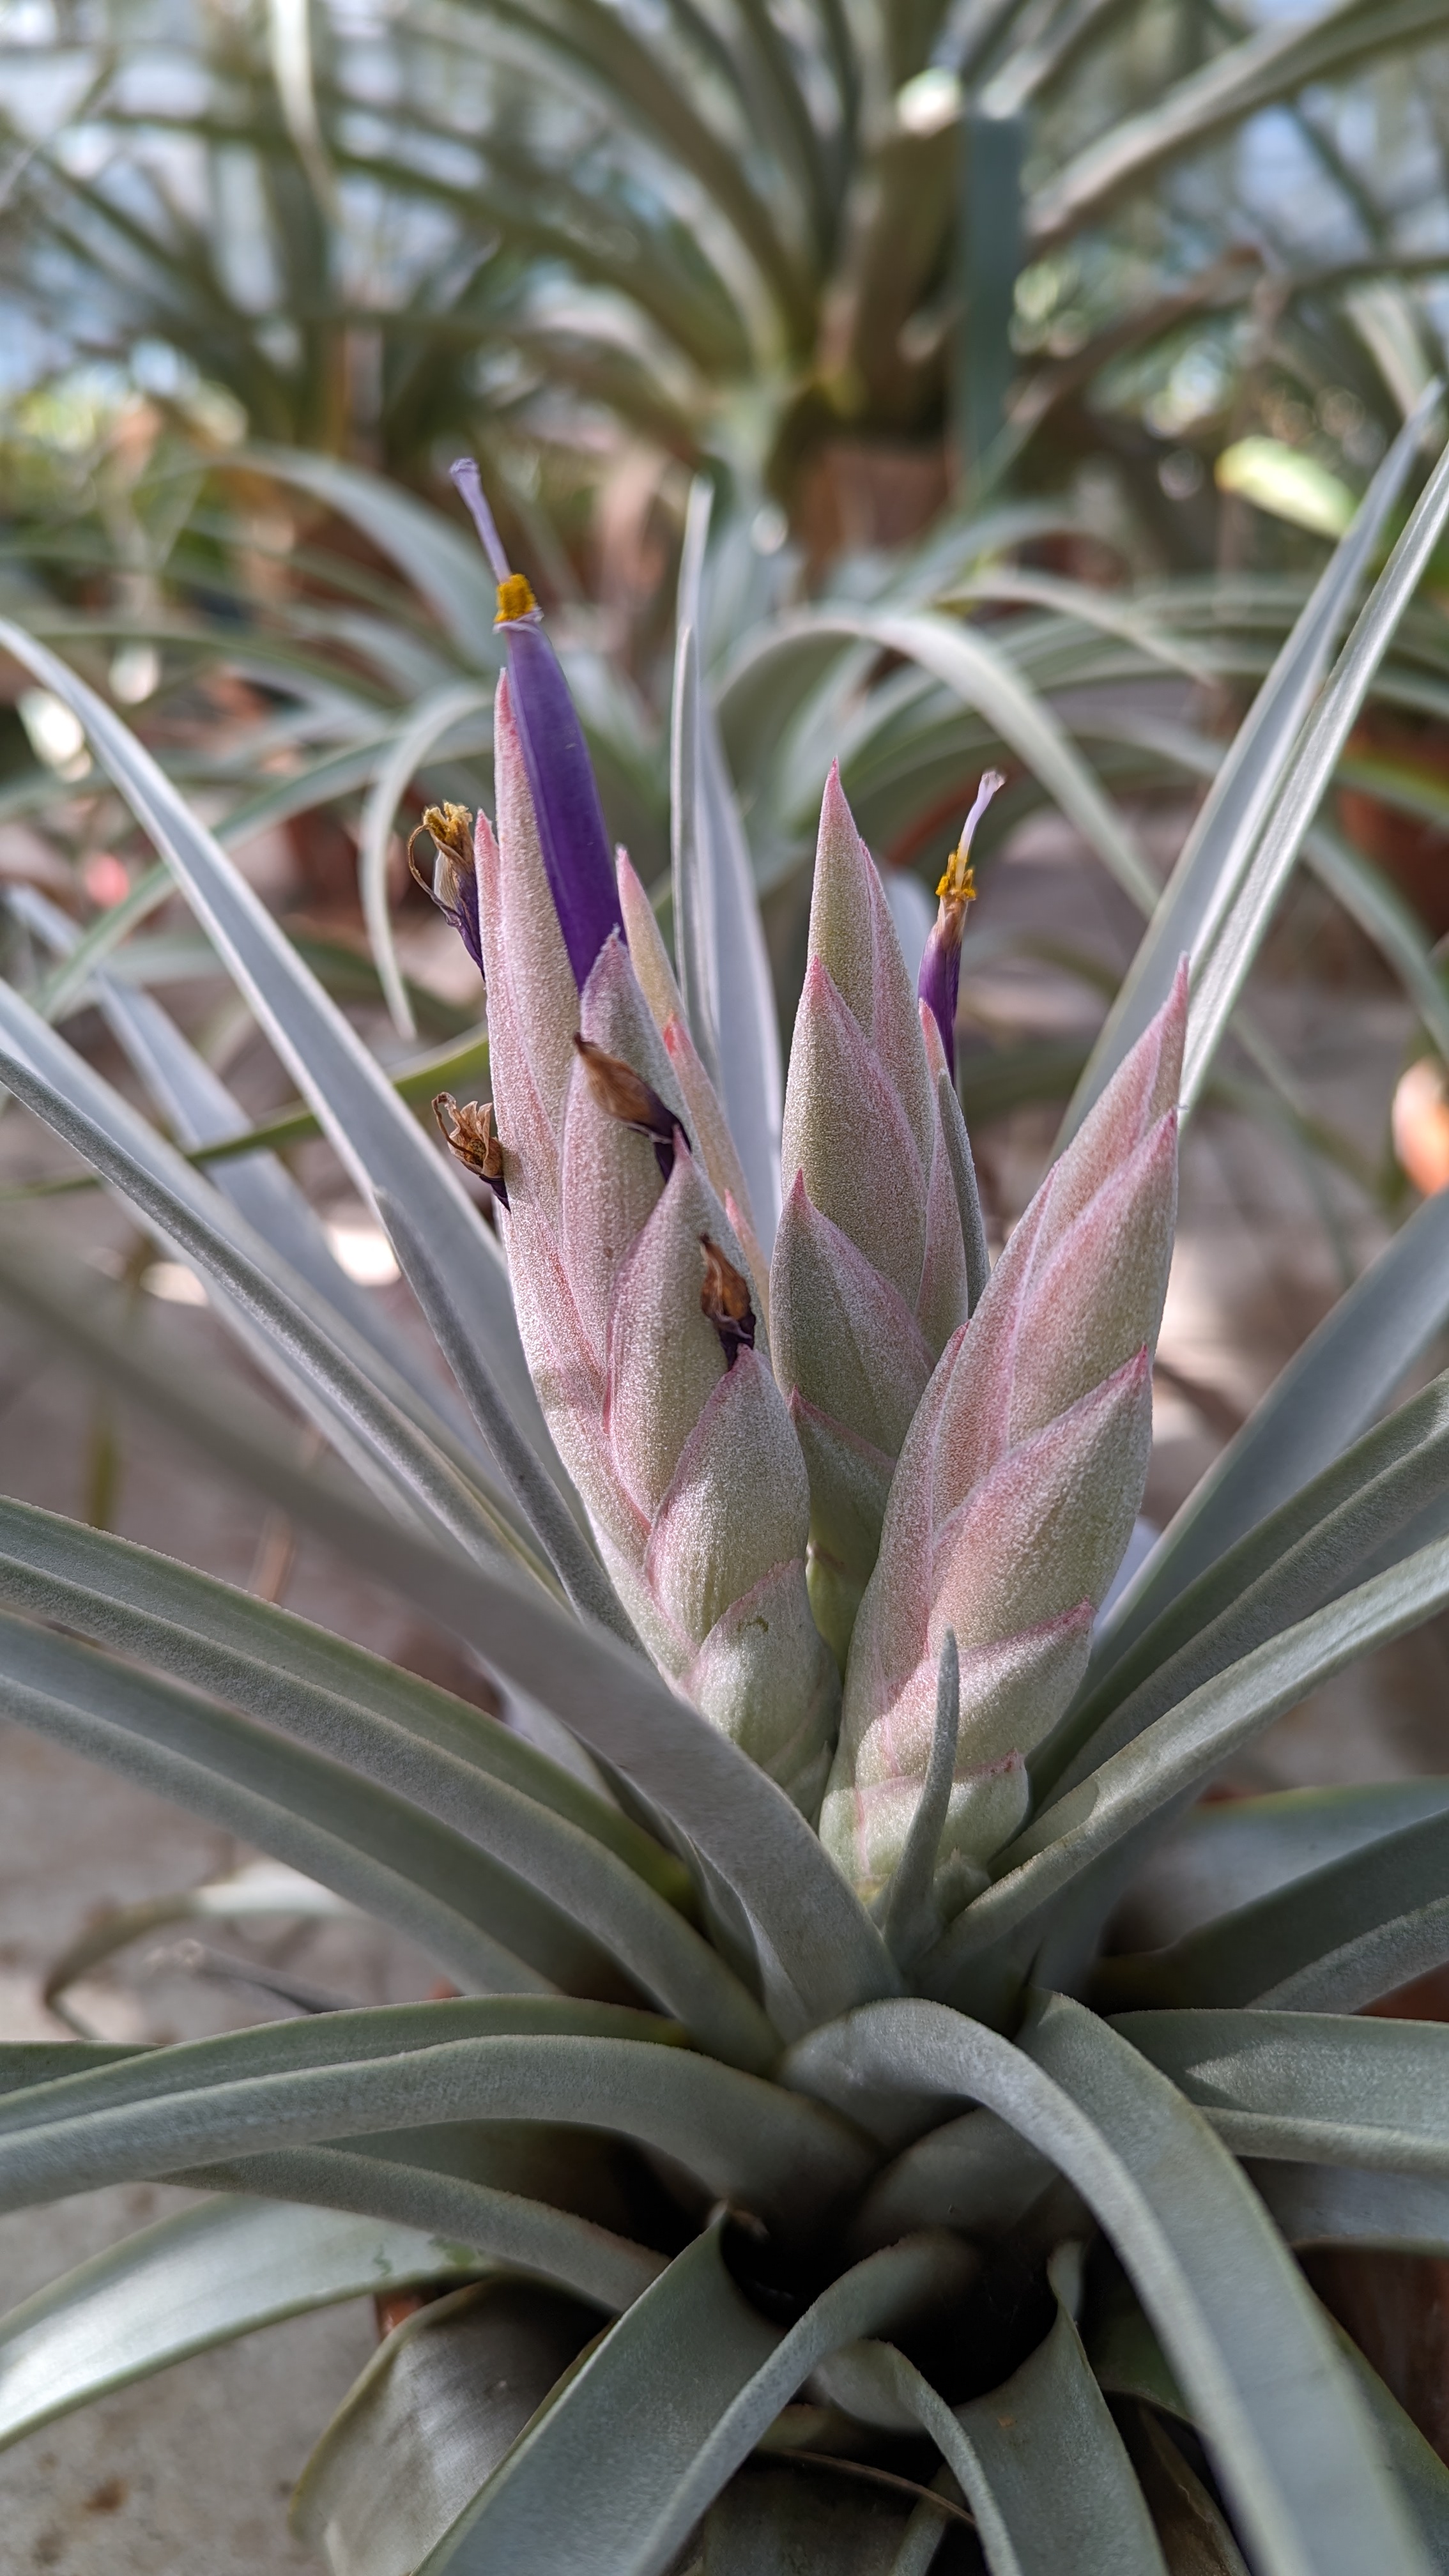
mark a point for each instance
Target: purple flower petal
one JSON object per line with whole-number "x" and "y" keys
{"x": 576, "y": 853}
{"x": 940, "y": 977}
{"x": 939, "y": 981}
{"x": 575, "y": 844}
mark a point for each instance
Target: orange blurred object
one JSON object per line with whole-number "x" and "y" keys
{"x": 107, "y": 879}
{"x": 1421, "y": 1126}
{"x": 392, "y": 2308}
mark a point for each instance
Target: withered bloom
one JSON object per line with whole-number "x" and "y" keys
{"x": 725, "y": 1299}
{"x": 627, "y": 1097}
{"x": 940, "y": 977}
{"x": 468, "y": 1133}
{"x": 453, "y": 884}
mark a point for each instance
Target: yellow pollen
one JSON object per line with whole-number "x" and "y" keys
{"x": 515, "y": 599}
{"x": 958, "y": 885}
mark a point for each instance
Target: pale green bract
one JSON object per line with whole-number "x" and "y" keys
{"x": 787, "y": 2092}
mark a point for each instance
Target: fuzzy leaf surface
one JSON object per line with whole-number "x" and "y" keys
{"x": 347, "y": 2072}
{"x": 1217, "y": 849}
{"x": 1314, "y": 2088}
{"x": 1333, "y": 1941}
{"x": 303, "y": 1807}
{"x": 1172, "y": 1756}
{"x": 373, "y": 1133}
{"x": 1325, "y": 1397}
{"x": 217, "y": 1637}
{"x": 1302, "y": 1555}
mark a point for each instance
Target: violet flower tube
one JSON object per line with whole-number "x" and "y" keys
{"x": 576, "y": 852}
{"x": 940, "y": 977}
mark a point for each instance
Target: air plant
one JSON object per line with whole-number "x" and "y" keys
{"x": 808, "y": 2170}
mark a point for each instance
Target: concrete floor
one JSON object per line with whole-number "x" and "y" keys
{"x": 188, "y": 2474}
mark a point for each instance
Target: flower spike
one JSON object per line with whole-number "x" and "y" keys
{"x": 869, "y": 1278}
{"x": 576, "y": 854}
{"x": 1015, "y": 1494}
{"x": 940, "y": 976}
{"x": 635, "y": 1307}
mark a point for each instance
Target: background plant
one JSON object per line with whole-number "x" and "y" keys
{"x": 744, "y": 238}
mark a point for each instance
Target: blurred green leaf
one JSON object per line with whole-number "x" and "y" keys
{"x": 191, "y": 2282}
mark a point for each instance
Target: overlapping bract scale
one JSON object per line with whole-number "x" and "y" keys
{"x": 1016, "y": 1489}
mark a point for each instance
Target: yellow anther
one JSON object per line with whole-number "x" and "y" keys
{"x": 958, "y": 885}
{"x": 515, "y": 599}
{"x": 451, "y": 827}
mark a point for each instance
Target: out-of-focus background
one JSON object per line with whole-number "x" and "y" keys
{"x": 1031, "y": 355}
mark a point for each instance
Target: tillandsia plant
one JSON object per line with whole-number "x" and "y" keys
{"x": 879, "y": 2109}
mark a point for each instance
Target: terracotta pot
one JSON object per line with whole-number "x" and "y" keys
{"x": 856, "y": 494}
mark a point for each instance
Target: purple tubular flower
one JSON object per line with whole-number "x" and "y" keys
{"x": 576, "y": 853}
{"x": 940, "y": 977}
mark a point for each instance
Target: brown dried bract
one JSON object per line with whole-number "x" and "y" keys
{"x": 468, "y": 1133}
{"x": 725, "y": 1299}
{"x": 625, "y": 1095}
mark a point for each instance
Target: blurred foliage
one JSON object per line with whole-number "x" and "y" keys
{"x": 845, "y": 252}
